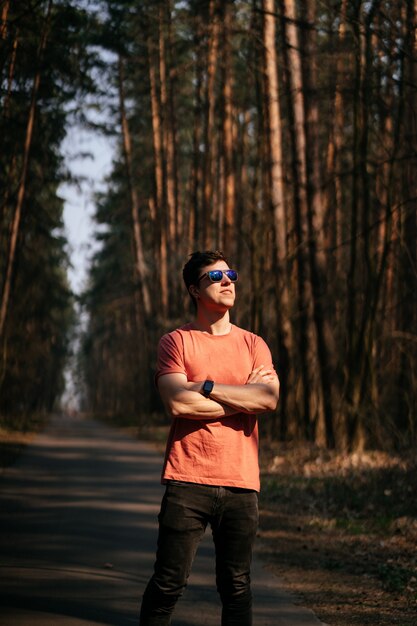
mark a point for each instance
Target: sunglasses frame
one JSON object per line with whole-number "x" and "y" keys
{"x": 223, "y": 272}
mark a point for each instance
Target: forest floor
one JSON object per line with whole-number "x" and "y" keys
{"x": 340, "y": 531}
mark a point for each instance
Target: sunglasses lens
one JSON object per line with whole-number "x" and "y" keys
{"x": 215, "y": 276}
{"x": 231, "y": 275}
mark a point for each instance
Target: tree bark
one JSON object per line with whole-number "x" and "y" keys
{"x": 334, "y": 197}
{"x": 196, "y": 175}
{"x": 141, "y": 270}
{"x": 4, "y": 14}
{"x": 209, "y": 136}
{"x": 362, "y": 333}
{"x": 167, "y": 135}
{"x": 229, "y": 237}
{"x": 6, "y": 113}
{"x": 282, "y": 295}
{"x": 159, "y": 179}
{"x": 174, "y": 251}
{"x": 351, "y": 308}
{"x": 407, "y": 284}
{"x": 327, "y": 355}
{"x": 14, "y": 232}
{"x": 313, "y": 402}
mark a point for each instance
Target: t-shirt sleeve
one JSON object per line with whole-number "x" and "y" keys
{"x": 262, "y": 354}
{"x": 170, "y": 356}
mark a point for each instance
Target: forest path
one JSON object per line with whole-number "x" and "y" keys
{"x": 78, "y": 536}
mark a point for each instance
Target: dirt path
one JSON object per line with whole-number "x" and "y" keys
{"x": 78, "y": 532}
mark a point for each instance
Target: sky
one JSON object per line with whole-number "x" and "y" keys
{"x": 79, "y": 206}
{"x": 78, "y": 219}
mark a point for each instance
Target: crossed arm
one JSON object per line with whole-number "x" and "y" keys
{"x": 184, "y": 399}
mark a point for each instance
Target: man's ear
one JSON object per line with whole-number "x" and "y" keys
{"x": 194, "y": 291}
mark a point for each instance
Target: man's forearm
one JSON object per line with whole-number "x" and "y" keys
{"x": 254, "y": 398}
{"x": 250, "y": 398}
{"x": 191, "y": 404}
{"x": 184, "y": 398}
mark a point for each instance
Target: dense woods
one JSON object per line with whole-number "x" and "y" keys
{"x": 283, "y": 133}
{"x": 43, "y": 71}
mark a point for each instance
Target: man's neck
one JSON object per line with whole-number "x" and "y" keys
{"x": 213, "y": 323}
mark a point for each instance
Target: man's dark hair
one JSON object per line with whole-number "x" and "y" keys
{"x": 192, "y": 269}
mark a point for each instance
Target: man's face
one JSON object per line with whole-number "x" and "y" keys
{"x": 215, "y": 295}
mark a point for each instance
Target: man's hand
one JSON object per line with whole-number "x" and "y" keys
{"x": 261, "y": 375}
{"x": 262, "y": 396}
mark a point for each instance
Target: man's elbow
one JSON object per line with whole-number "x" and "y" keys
{"x": 174, "y": 408}
{"x": 270, "y": 405}
{"x": 272, "y": 397}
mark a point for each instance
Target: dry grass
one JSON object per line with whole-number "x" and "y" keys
{"x": 341, "y": 532}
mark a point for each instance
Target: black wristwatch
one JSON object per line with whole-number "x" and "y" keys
{"x": 207, "y": 387}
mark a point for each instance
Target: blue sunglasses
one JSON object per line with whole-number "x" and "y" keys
{"x": 216, "y": 276}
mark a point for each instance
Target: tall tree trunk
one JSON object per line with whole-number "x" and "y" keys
{"x": 282, "y": 302}
{"x": 229, "y": 173}
{"x": 3, "y": 29}
{"x": 159, "y": 179}
{"x": 351, "y": 308}
{"x": 172, "y": 155}
{"x": 259, "y": 193}
{"x": 140, "y": 264}
{"x": 384, "y": 187}
{"x": 243, "y": 186}
{"x": 359, "y": 392}
{"x": 196, "y": 174}
{"x": 174, "y": 252}
{"x": 14, "y": 232}
{"x": 167, "y": 134}
{"x": 4, "y": 13}
{"x": 10, "y": 75}
{"x": 327, "y": 355}
{"x": 313, "y": 401}
{"x": 209, "y": 135}
{"x": 407, "y": 284}
{"x": 6, "y": 113}
{"x": 334, "y": 198}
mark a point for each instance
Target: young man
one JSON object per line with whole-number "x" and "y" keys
{"x": 214, "y": 379}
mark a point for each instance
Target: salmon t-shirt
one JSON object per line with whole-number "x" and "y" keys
{"x": 224, "y": 451}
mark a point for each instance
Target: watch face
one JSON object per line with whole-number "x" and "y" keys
{"x": 207, "y": 387}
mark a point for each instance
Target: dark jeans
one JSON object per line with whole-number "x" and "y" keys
{"x": 186, "y": 510}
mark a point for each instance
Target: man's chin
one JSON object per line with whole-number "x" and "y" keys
{"x": 221, "y": 305}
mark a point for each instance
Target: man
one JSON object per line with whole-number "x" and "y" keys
{"x": 214, "y": 378}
